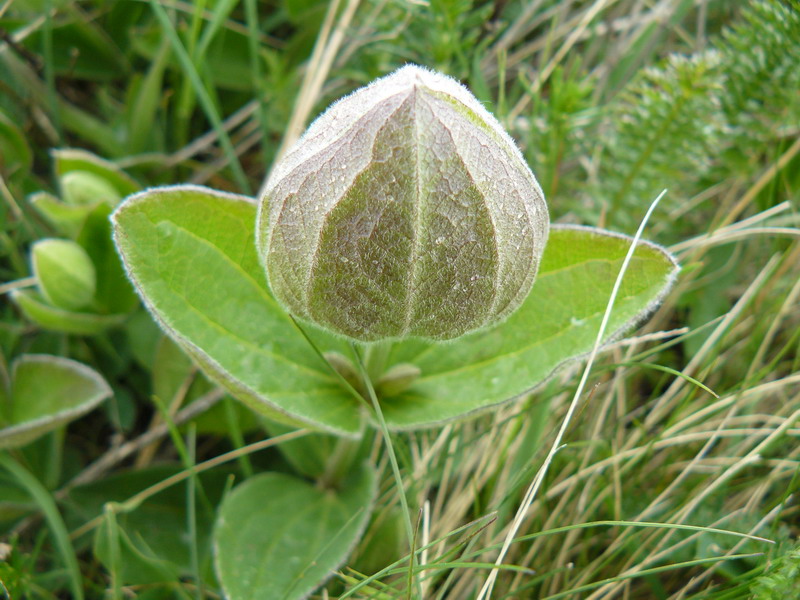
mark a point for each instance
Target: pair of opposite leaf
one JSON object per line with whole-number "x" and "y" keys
{"x": 404, "y": 211}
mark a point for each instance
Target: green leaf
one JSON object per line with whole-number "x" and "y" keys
{"x": 309, "y": 455}
{"x": 191, "y": 254}
{"x": 130, "y": 560}
{"x": 114, "y": 292}
{"x": 47, "y": 392}
{"x": 278, "y": 537}
{"x": 145, "y": 101}
{"x": 72, "y": 159}
{"x": 558, "y": 322}
{"x": 15, "y": 154}
{"x": 67, "y": 219}
{"x": 81, "y": 49}
{"x": 35, "y": 308}
{"x": 154, "y": 540}
{"x": 84, "y": 188}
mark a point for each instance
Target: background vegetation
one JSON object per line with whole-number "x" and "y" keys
{"x": 611, "y": 102}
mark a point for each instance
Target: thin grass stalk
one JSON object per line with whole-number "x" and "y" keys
{"x": 486, "y": 590}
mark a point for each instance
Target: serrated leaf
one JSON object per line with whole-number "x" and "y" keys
{"x": 190, "y": 252}
{"x": 280, "y": 537}
{"x": 47, "y": 392}
{"x": 558, "y": 322}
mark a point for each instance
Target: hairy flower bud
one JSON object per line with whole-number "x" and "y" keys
{"x": 65, "y": 273}
{"x": 405, "y": 210}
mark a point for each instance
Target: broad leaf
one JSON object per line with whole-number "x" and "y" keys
{"x": 191, "y": 254}
{"x": 279, "y": 537}
{"x": 47, "y": 392}
{"x": 154, "y": 541}
{"x": 558, "y": 322}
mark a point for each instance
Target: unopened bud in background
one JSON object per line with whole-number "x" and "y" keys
{"x": 64, "y": 272}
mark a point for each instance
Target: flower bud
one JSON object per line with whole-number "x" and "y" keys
{"x": 405, "y": 210}
{"x": 397, "y": 380}
{"x": 64, "y": 272}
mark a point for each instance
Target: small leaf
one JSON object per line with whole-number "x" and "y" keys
{"x": 84, "y": 188}
{"x": 280, "y": 537}
{"x": 67, "y": 219}
{"x": 558, "y": 322}
{"x": 115, "y": 294}
{"x": 35, "y": 308}
{"x": 72, "y": 159}
{"x": 191, "y": 254}
{"x": 47, "y": 392}
{"x": 155, "y": 546}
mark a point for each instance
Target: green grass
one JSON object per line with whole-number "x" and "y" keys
{"x": 659, "y": 488}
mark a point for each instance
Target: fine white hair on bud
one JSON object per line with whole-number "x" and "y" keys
{"x": 405, "y": 210}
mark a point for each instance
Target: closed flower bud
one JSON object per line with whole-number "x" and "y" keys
{"x": 405, "y": 210}
{"x": 397, "y": 380}
{"x": 64, "y": 272}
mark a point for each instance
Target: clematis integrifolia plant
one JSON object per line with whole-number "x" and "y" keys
{"x": 404, "y": 216}
{"x": 405, "y": 210}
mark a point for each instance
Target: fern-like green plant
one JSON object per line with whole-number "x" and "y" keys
{"x": 696, "y": 119}
{"x": 781, "y": 580}
{"x": 760, "y": 55}
{"x": 667, "y": 124}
